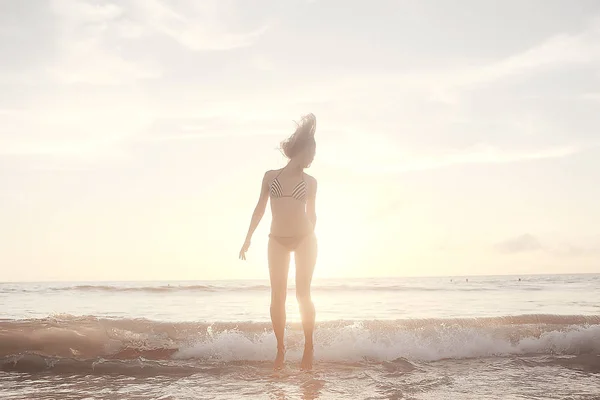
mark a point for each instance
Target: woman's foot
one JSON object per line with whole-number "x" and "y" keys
{"x": 279, "y": 359}
{"x": 307, "y": 359}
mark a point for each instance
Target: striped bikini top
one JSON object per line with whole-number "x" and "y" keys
{"x": 299, "y": 192}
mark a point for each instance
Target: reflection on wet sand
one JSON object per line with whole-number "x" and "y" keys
{"x": 289, "y": 384}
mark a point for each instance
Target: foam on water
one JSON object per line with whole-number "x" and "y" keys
{"x": 335, "y": 341}
{"x": 357, "y": 343}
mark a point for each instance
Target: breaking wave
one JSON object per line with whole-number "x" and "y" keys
{"x": 70, "y": 343}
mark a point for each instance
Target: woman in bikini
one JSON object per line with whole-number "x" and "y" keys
{"x": 292, "y": 194}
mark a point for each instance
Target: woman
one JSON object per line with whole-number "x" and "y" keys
{"x": 292, "y": 194}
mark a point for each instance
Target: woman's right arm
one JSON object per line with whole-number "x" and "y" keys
{"x": 257, "y": 215}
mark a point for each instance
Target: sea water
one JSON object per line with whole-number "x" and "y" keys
{"x": 480, "y": 337}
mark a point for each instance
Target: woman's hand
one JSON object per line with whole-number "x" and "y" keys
{"x": 244, "y": 249}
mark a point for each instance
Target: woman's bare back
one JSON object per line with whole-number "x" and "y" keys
{"x": 290, "y": 194}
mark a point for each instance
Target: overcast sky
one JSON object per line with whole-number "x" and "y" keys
{"x": 453, "y": 137}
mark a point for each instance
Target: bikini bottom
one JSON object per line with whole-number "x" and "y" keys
{"x": 290, "y": 243}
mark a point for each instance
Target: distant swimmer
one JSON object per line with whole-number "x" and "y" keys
{"x": 292, "y": 193}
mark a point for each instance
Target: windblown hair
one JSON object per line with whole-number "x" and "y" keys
{"x": 302, "y": 138}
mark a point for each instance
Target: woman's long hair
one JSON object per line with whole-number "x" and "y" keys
{"x": 302, "y": 138}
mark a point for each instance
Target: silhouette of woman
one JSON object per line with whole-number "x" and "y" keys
{"x": 292, "y": 193}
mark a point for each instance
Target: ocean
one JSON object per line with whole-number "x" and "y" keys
{"x": 479, "y": 337}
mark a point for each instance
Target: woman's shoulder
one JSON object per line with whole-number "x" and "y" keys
{"x": 271, "y": 174}
{"x": 310, "y": 178}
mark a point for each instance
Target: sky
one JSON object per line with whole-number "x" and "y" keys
{"x": 453, "y": 138}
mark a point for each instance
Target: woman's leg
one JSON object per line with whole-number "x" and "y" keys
{"x": 279, "y": 264}
{"x": 306, "y": 258}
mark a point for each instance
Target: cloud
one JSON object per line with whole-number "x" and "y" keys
{"x": 179, "y": 129}
{"x": 202, "y": 26}
{"x": 262, "y": 63}
{"x": 446, "y": 83}
{"x": 529, "y": 243}
{"x": 82, "y": 11}
{"x": 403, "y": 126}
{"x": 87, "y": 34}
{"x": 520, "y": 244}
{"x": 591, "y": 96}
{"x": 85, "y": 61}
{"x": 114, "y": 43}
{"x": 558, "y": 51}
{"x": 79, "y": 42}
{"x": 507, "y": 110}
{"x": 483, "y": 155}
{"x": 69, "y": 130}
{"x": 380, "y": 154}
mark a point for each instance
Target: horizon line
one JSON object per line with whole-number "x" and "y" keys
{"x": 314, "y": 279}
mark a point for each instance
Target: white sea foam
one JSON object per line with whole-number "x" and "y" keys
{"x": 357, "y": 343}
